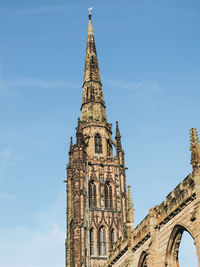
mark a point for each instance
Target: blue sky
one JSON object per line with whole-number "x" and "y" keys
{"x": 149, "y": 56}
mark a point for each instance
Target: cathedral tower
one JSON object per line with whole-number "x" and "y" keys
{"x": 97, "y": 205}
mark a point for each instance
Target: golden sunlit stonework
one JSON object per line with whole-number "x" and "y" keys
{"x": 100, "y": 212}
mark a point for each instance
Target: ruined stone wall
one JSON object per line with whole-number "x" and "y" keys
{"x": 155, "y": 241}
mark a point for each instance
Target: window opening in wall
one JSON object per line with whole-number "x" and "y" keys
{"x": 92, "y": 195}
{"x": 187, "y": 251}
{"x": 109, "y": 148}
{"x": 98, "y": 143}
{"x": 143, "y": 260}
{"x": 112, "y": 238}
{"x": 92, "y": 242}
{"x": 102, "y": 241}
{"x": 108, "y": 196}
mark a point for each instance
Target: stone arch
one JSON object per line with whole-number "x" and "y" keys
{"x": 173, "y": 245}
{"x": 143, "y": 260}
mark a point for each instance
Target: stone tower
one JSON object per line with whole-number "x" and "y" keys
{"x": 98, "y": 209}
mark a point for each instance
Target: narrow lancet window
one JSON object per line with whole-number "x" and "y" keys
{"x": 98, "y": 143}
{"x": 108, "y": 196}
{"x": 109, "y": 148}
{"x": 92, "y": 195}
{"x": 102, "y": 241}
{"x": 112, "y": 238}
{"x": 92, "y": 242}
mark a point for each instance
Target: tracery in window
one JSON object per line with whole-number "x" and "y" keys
{"x": 108, "y": 196}
{"x": 98, "y": 143}
{"x": 102, "y": 241}
{"x": 92, "y": 195}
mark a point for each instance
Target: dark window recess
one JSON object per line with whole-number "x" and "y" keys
{"x": 92, "y": 242}
{"x": 108, "y": 196}
{"x": 92, "y": 195}
{"x": 98, "y": 143}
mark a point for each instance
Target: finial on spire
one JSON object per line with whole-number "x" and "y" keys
{"x": 195, "y": 151}
{"x": 90, "y": 12}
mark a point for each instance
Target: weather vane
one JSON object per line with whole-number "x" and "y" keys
{"x": 90, "y": 10}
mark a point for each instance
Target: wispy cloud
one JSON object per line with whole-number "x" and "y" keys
{"x": 141, "y": 86}
{"x": 5, "y": 85}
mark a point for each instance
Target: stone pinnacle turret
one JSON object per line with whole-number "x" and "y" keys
{"x": 195, "y": 151}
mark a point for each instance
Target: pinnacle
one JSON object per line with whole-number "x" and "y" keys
{"x": 130, "y": 200}
{"x": 117, "y": 130}
{"x": 71, "y": 142}
{"x": 194, "y": 139}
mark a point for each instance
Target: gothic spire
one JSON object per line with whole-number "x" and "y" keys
{"x": 93, "y": 105}
{"x": 91, "y": 72}
{"x": 195, "y": 151}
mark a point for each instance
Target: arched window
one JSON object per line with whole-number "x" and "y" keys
{"x": 102, "y": 241}
{"x": 109, "y": 149}
{"x": 172, "y": 255}
{"x": 108, "y": 196}
{"x": 92, "y": 195}
{"x": 98, "y": 143}
{"x": 92, "y": 241}
{"x": 143, "y": 260}
{"x": 112, "y": 238}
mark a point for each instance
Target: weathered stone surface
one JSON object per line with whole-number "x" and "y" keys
{"x": 100, "y": 216}
{"x": 158, "y": 236}
{"x": 96, "y": 179}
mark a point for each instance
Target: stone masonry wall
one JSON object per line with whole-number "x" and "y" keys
{"x": 156, "y": 239}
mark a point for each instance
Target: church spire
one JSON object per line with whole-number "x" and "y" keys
{"x": 93, "y": 105}
{"x": 91, "y": 72}
{"x": 195, "y": 151}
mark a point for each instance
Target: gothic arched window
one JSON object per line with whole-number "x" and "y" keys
{"x": 98, "y": 143}
{"x": 92, "y": 195}
{"x": 102, "y": 241}
{"x": 109, "y": 148}
{"x": 108, "y": 196}
{"x": 92, "y": 241}
{"x": 112, "y": 237}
